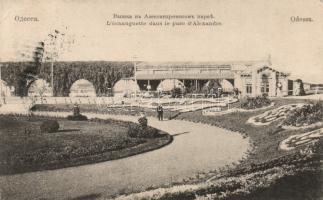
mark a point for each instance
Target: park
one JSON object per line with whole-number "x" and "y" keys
{"x": 143, "y": 129}
{"x": 197, "y": 153}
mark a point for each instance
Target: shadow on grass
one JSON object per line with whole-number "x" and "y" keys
{"x": 68, "y": 130}
{"x": 178, "y": 134}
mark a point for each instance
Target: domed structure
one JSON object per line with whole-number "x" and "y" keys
{"x": 82, "y": 88}
{"x": 169, "y": 84}
{"x": 226, "y": 85}
{"x": 125, "y": 87}
{"x": 39, "y": 87}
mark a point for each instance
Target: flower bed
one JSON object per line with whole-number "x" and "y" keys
{"x": 305, "y": 115}
{"x": 298, "y": 140}
{"x": 273, "y": 115}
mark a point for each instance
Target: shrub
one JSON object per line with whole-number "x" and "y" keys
{"x": 77, "y": 117}
{"x": 133, "y": 130}
{"x": 49, "y": 126}
{"x": 255, "y": 102}
{"x": 148, "y": 132}
{"x": 138, "y": 131}
{"x": 143, "y": 121}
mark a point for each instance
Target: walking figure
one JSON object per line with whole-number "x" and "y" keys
{"x": 160, "y": 112}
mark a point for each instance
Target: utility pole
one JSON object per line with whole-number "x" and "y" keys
{"x": 56, "y": 39}
{"x": 52, "y": 75}
{"x": 135, "y": 75}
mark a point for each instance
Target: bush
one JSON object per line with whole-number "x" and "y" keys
{"x": 138, "y": 131}
{"x": 143, "y": 121}
{"x": 77, "y": 117}
{"x": 49, "y": 126}
{"x": 255, "y": 102}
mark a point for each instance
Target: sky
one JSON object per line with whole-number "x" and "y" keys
{"x": 250, "y": 30}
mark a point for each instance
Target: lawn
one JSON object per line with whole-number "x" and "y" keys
{"x": 25, "y": 148}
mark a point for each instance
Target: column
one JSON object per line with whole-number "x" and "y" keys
{"x": 196, "y": 85}
{"x": 273, "y": 84}
{"x": 254, "y": 82}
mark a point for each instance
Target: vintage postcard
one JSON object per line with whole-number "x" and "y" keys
{"x": 161, "y": 99}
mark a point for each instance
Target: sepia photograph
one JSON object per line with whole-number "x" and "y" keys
{"x": 161, "y": 100}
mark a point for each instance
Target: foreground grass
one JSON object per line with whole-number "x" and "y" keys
{"x": 24, "y": 148}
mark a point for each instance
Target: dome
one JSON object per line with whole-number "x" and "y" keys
{"x": 124, "y": 87}
{"x": 82, "y": 88}
{"x": 169, "y": 84}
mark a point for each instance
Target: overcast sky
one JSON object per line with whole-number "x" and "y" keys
{"x": 250, "y": 30}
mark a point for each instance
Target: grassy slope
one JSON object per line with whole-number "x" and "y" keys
{"x": 266, "y": 141}
{"x": 24, "y": 148}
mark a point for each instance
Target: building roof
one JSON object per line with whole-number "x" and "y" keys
{"x": 218, "y": 64}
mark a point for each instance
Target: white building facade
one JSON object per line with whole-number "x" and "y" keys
{"x": 251, "y": 78}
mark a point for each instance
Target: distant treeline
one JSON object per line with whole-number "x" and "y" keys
{"x": 103, "y": 75}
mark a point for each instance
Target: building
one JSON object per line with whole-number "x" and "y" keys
{"x": 251, "y": 78}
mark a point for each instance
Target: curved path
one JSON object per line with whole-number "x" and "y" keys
{"x": 196, "y": 148}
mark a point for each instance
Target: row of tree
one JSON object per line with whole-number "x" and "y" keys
{"x": 103, "y": 74}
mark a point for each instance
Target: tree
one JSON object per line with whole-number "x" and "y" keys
{"x": 301, "y": 91}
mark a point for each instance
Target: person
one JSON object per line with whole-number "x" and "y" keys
{"x": 160, "y": 112}
{"x": 76, "y": 110}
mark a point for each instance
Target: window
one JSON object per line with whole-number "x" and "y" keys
{"x": 265, "y": 88}
{"x": 265, "y": 84}
{"x": 249, "y": 88}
